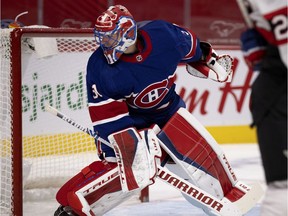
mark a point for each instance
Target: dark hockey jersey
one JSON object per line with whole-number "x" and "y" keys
{"x": 139, "y": 89}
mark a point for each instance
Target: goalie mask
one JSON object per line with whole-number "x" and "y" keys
{"x": 115, "y": 30}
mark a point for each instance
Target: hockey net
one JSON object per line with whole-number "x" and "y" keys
{"x": 41, "y": 66}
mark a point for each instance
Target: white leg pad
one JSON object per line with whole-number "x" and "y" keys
{"x": 200, "y": 159}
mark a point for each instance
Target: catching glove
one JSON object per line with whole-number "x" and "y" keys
{"x": 211, "y": 65}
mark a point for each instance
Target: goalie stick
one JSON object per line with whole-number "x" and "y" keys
{"x": 67, "y": 119}
{"x": 205, "y": 200}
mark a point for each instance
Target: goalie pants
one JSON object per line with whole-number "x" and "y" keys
{"x": 269, "y": 111}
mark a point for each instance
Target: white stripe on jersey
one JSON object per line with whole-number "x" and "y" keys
{"x": 104, "y": 102}
{"x": 192, "y": 46}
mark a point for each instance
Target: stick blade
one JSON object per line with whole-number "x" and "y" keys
{"x": 249, "y": 200}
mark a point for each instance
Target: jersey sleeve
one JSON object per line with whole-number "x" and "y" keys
{"x": 180, "y": 44}
{"x": 189, "y": 45}
{"x": 107, "y": 113}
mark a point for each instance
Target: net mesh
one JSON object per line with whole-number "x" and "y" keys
{"x": 53, "y": 72}
{"x": 5, "y": 124}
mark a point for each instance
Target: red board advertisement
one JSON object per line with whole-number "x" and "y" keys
{"x": 218, "y": 22}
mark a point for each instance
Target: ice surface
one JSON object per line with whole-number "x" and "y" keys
{"x": 164, "y": 200}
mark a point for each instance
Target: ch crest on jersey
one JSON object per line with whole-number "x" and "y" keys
{"x": 152, "y": 95}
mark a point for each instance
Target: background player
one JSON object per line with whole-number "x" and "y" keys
{"x": 265, "y": 49}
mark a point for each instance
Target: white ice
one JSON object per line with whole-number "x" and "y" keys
{"x": 164, "y": 200}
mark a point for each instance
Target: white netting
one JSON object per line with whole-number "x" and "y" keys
{"x": 5, "y": 124}
{"x": 53, "y": 71}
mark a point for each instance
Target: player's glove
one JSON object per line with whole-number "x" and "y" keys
{"x": 253, "y": 46}
{"x": 211, "y": 65}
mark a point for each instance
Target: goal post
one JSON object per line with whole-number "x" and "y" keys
{"x": 41, "y": 66}
{"x": 14, "y": 143}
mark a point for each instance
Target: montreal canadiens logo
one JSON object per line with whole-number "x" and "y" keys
{"x": 152, "y": 95}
